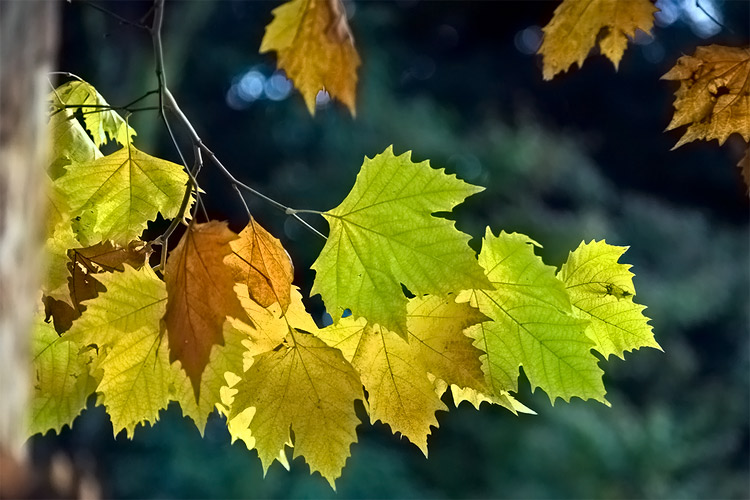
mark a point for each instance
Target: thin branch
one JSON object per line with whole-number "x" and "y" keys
{"x": 711, "y": 17}
{"x": 118, "y": 17}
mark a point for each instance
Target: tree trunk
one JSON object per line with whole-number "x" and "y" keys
{"x": 28, "y": 40}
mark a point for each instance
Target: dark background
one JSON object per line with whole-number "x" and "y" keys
{"x": 583, "y": 156}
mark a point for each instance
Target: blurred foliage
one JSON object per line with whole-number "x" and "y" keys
{"x": 577, "y": 158}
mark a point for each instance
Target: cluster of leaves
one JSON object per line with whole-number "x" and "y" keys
{"x": 221, "y": 326}
{"x": 315, "y": 47}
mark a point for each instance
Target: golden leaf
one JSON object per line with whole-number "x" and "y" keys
{"x": 576, "y": 27}
{"x": 259, "y": 261}
{"x": 201, "y": 295}
{"x": 714, "y": 94}
{"x": 315, "y": 48}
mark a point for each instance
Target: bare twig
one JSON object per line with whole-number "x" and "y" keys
{"x": 117, "y": 17}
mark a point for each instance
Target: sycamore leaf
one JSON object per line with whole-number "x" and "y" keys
{"x": 104, "y": 124}
{"x": 532, "y": 324}
{"x": 576, "y": 27}
{"x": 69, "y": 142}
{"x": 601, "y": 290}
{"x": 123, "y": 323}
{"x": 115, "y": 196}
{"x": 224, "y": 359}
{"x": 296, "y": 382}
{"x": 61, "y": 380}
{"x": 396, "y": 374}
{"x": 383, "y": 234}
{"x": 476, "y": 398}
{"x": 714, "y": 94}
{"x": 315, "y": 48}
{"x": 102, "y": 257}
{"x": 259, "y": 261}
{"x": 201, "y": 296}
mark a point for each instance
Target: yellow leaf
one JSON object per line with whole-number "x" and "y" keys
{"x": 399, "y": 375}
{"x": 577, "y": 24}
{"x": 201, "y": 296}
{"x": 296, "y": 382}
{"x": 714, "y": 94}
{"x": 259, "y": 261}
{"x": 315, "y": 48}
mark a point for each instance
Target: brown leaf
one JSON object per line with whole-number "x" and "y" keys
{"x": 200, "y": 296}
{"x": 259, "y": 261}
{"x": 578, "y": 25}
{"x": 315, "y": 48}
{"x": 82, "y": 285}
{"x": 714, "y": 94}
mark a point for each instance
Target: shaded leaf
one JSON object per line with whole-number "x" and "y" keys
{"x": 383, "y": 234}
{"x": 104, "y": 124}
{"x": 201, "y": 296}
{"x": 601, "y": 290}
{"x": 315, "y": 48}
{"x": 714, "y": 95}
{"x": 578, "y": 25}
{"x": 259, "y": 261}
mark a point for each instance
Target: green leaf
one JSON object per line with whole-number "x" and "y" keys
{"x": 61, "y": 380}
{"x": 103, "y": 124}
{"x": 532, "y": 324}
{"x": 69, "y": 142}
{"x": 383, "y": 234}
{"x": 116, "y": 195}
{"x": 601, "y": 290}
{"x": 123, "y": 323}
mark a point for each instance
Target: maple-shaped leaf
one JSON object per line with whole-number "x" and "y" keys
{"x": 224, "y": 359}
{"x": 55, "y": 277}
{"x": 577, "y": 25}
{"x": 601, "y": 290}
{"x": 384, "y": 234}
{"x": 714, "y": 94}
{"x": 396, "y": 373}
{"x": 532, "y": 325}
{"x": 201, "y": 296}
{"x": 115, "y": 196}
{"x": 123, "y": 323}
{"x": 259, "y": 261}
{"x": 296, "y": 382}
{"x": 103, "y": 123}
{"x": 61, "y": 380}
{"x": 315, "y": 48}
{"x": 68, "y": 142}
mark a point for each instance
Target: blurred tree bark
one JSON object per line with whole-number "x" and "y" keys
{"x": 28, "y": 41}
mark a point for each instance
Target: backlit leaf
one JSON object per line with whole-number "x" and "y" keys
{"x": 201, "y": 296}
{"x": 601, "y": 290}
{"x": 714, "y": 95}
{"x": 315, "y": 48}
{"x": 123, "y": 323}
{"x": 532, "y": 325}
{"x": 396, "y": 374}
{"x": 104, "y": 124}
{"x": 259, "y": 261}
{"x": 115, "y": 196}
{"x": 384, "y": 234}
{"x": 578, "y": 25}
{"x": 61, "y": 380}
{"x": 296, "y": 382}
